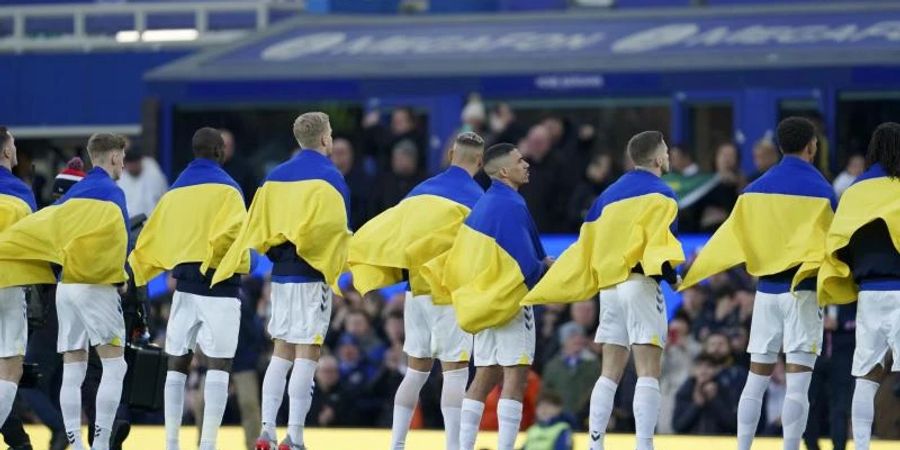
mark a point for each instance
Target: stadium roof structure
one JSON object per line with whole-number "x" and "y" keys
{"x": 574, "y": 42}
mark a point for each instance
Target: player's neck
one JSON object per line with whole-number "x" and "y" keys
{"x": 509, "y": 183}
{"x": 7, "y": 164}
{"x": 470, "y": 169}
{"x": 654, "y": 170}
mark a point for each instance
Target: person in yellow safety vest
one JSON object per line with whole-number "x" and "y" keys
{"x": 552, "y": 430}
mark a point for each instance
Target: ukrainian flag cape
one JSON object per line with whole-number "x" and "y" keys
{"x": 304, "y": 201}
{"x": 16, "y": 199}
{"x": 85, "y": 232}
{"x": 196, "y": 221}
{"x": 419, "y": 228}
{"x": 778, "y": 223}
{"x": 873, "y": 196}
{"x": 496, "y": 257}
{"x": 633, "y": 222}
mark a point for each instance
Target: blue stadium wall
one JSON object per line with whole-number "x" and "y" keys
{"x": 70, "y": 89}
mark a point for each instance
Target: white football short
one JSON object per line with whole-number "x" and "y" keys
{"x": 212, "y": 323}
{"x": 877, "y": 331}
{"x": 301, "y": 312}
{"x": 509, "y": 345}
{"x": 13, "y": 322}
{"x": 88, "y": 314}
{"x": 633, "y": 312}
{"x": 790, "y": 323}
{"x": 432, "y": 331}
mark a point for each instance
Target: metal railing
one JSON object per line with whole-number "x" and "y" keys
{"x": 81, "y": 37}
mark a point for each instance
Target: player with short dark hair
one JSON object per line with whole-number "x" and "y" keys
{"x": 778, "y": 229}
{"x": 495, "y": 259}
{"x": 188, "y": 233}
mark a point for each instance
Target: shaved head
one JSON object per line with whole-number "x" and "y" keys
{"x": 468, "y": 149}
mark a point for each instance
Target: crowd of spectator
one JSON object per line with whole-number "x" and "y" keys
{"x": 705, "y": 363}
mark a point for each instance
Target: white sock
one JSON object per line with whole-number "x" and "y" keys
{"x": 646, "y": 411}
{"x": 602, "y": 398}
{"x": 300, "y": 393}
{"x": 863, "y": 412}
{"x": 273, "y": 393}
{"x": 7, "y": 397}
{"x": 469, "y": 420}
{"x": 750, "y": 408}
{"x": 215, "y": 397}
{"x": 109, "y": 395}
{"x": 452, "y": 394}
{"x": 796, "y": 408}
{"x": 509, "y": 413}
{"x": 174, "y": 407}
{"x": 70, "y": 401}
{"x": 404, "y": 405}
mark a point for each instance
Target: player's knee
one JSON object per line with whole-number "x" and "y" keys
{"x": 763, "y": 363}
{"x": 800, "y": 362}
{"x": 11, "y": 369}
{"x": 114, "y": 367}
{"x": 180, "y": 363}
{"x": 875, "y": 375}
{"x": 223, "y": 364}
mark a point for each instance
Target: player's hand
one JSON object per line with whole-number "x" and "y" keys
{"x": 678, "y": 281}
{"x": 123, "y": 289}
{"x": 548, "y": 261}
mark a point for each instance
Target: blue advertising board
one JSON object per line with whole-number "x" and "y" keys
{"x": 557, "y": 43}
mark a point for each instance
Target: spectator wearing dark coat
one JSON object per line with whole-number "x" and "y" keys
{"x": 702, "y": 407}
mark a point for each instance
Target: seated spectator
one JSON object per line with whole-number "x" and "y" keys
{"x": 143, "y": 183}
{"x": 358, "y": 326}
{"x": 391, "y": 187}
{"x": 856, "y": 165}
{"x": 549, "y": 185}
{"x": 765, "y": 155}
{"x": 330, "y": 406}
{"x": 379, "y": 141}
{"x": 681, "y": 349}
{"x": 353, "y": 367}
{"x": 503, "y": 126}
{"x": 702, "y": 409}
{"x": 718, "y": 203}
{"x": 552, "y": 430}
{"x": 344, "y": 158}
{"x": 598, "y": 176}
{"x": 573, "y": 372}
{"x": 690, "y": 185}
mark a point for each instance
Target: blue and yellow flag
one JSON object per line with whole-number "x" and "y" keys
{"x": 196, "y": 221}
{"x": 85, "y": 232}
{"x": 418, "y": 229}
{"x": 16, "y": 199}
{"x": 778, "y": 223}
{"x": 634, "y": 221}
{"x": 872, "y": 196}
{"x": 496, "y": 258}
{"x": 304, "y": 201}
